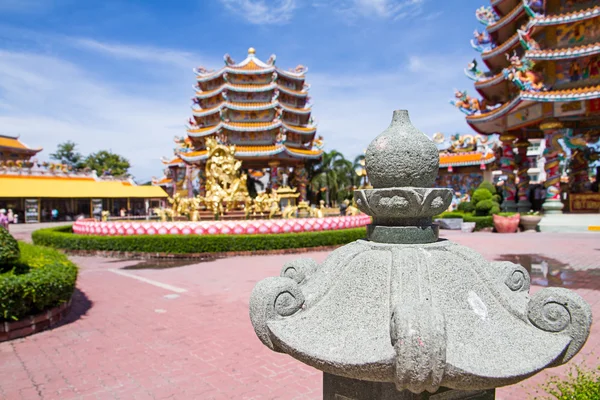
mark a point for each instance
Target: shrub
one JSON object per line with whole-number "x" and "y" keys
{"x": 42, "y": 278}
{"x": 449, "y": 214}
{"x": 488, "y": 186}
{"x": 480, "y": 195}
{"x": 480, "y": 222}
{"x": 580, "y": 384}
{"x": 483, "y": 207}
{"x": 64, "y": 238}
{"x": 495, "y": 210}
{"x": 466, "y": 207}
{"x": 9, "y": 248}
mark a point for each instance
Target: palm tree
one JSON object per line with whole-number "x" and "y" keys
{"x": 332, "y": 176}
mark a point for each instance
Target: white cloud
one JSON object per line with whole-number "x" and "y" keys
{"x": 152, "y": 54}
{"x": 53, "y": 100}
{"x": 258, "y": 12}
{"x": 352, "y": 10}
{"x": 353, "y": 108}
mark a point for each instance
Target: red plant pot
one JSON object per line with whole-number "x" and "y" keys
{"x": 507, "y": 224}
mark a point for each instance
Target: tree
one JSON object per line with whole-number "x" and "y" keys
{"x": 333, "y": 177}
{"x": 67, "y": 154}
{"x": 107, "y": 162}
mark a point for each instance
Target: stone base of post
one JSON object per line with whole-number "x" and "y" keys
{"x": 339, "y": 388}
{"x": 524, "y": 206}
{"x": 553, "y": 206}
{"x": 509, "y": 206}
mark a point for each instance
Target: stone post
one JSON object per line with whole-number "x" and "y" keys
{"x": 553, "y": 131}
{"x": 578, "y": 172}
{"x": 524, "y": 205}
{"x": 507, "y": 166}
{"x": 274, "y": 178}
{"x": 402, "y": 312}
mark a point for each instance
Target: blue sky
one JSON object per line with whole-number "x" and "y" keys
{"x": 118, "y": 74}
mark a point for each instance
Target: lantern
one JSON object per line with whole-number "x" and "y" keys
{"x": 450, "y": 169}
{"x": 482, "y": 167}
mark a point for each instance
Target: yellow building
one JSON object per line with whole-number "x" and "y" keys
{"x": 32, "y": 190}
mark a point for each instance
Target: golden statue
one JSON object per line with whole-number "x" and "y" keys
{"x": 225, "y": 185}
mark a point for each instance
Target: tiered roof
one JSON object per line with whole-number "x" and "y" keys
{"x": 11, "y": 145}
{"x": 529, "y": 63}
{"x": 258, "y": 107}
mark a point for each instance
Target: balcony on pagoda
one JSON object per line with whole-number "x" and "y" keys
{"x": 503, "y": 29}
{"x": 503, "y": 7}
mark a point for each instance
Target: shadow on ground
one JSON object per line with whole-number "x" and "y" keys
{"x": 80, "y": 305}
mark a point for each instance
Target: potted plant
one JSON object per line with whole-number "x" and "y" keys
{"x": 530, "y": 221}
{"x": 508, "y": 224}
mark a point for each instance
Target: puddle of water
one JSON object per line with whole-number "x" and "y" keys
{"x": 167, "y": 263}
{"x": 545, "y": 271}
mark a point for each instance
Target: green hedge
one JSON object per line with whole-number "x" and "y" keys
{"x": 42, "y": 278}
{"x": 64, "y": 238}
{"x": 480, "y": 222}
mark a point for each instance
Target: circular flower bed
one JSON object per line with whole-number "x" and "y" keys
{"x": 40, "y": 279}
{"x": 242, "y": 227}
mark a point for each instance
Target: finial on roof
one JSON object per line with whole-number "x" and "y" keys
{"x": 251, "y": 51}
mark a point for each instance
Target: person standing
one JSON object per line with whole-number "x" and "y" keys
{"x": 3, "y": 219}
{"x": 10, "y": 216}
{"x": 54, "y": 214}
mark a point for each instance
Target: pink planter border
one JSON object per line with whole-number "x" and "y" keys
{"x": 33, "y": 324}
{"x": 242, "y": 227}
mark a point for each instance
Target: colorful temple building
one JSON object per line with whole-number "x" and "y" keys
{"x": 465, "y": 161}
{"x": 32, "y": 189}
{"x": 12, "y": 149}
{"x": 261, "y": 109}
{"x": 542, "y": 82}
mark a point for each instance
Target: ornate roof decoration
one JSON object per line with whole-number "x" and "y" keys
{"x": 545, "y": 20}
{"x": 481, "y": 41}
{"x": 486, "y": 15}
{"x": 561, "y": 54}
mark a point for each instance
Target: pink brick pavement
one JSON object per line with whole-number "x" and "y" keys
{"x": 128, "y": 339}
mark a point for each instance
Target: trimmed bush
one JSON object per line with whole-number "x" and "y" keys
{"x": 64, "y": 238}
{"x": 488, "y": 186}
{"x": 466, "y": 207}
{"x": 480, "y": 195}
{"x": 450, "y": 214}
{"x": 41, "y": 279}
{"x": 9, "y": 248}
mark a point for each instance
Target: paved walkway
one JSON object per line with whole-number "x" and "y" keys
{"x": 184, "y": 332}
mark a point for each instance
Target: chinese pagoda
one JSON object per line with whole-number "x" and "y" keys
{"x": 261, "y": 109}
{"x": 543, "y": 81}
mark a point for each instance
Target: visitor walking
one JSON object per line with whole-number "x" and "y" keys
{"x": 10, "y": 216}
{"x": 3, "y": 219}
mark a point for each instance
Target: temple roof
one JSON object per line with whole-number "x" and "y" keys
{"x": 248, "y": 127}
{"x": 256, "y": 151}
{"x": 465, "y": 159}
{"x": 558, "y": 19}
{"x": 511, "y": 16}
{"x": 13, "y": 143}
{"x": 564, "y": 53}
{"x": 250, "y": 65}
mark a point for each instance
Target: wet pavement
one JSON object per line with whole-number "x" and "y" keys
{"x": 179, "y": 329}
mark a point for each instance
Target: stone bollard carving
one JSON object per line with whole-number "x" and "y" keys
{"x": 403, "y": 312}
